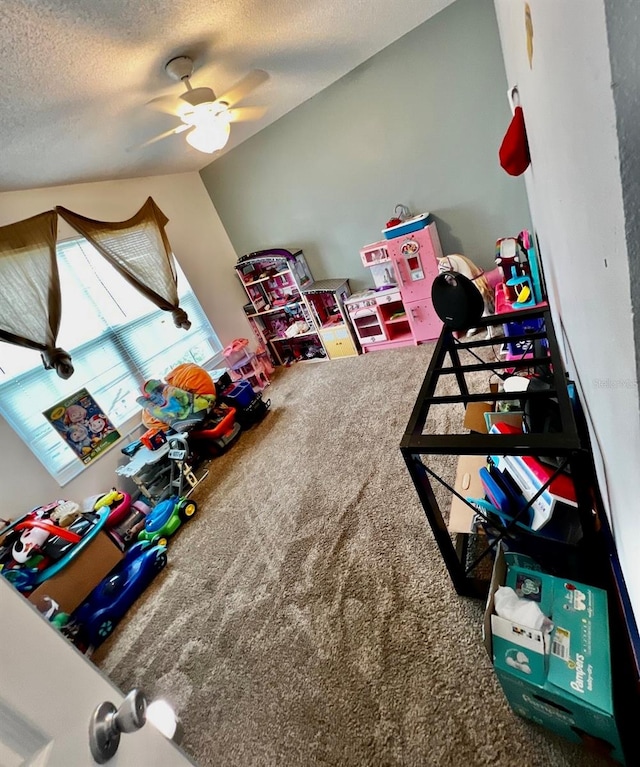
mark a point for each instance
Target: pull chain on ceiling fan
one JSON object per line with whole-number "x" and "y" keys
{"x": 208, "y": 118}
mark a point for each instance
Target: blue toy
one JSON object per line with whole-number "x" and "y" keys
{"x": 103, "y": 609}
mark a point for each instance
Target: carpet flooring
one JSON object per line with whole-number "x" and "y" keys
{"x": 305, "y": 616}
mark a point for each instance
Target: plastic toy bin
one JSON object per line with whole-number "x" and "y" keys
{"x": 408, "y": 226}
{"x": 241, "y": 394}
{"x": 523, "y": 327}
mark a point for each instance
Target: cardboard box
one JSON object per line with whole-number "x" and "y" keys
{"x": 469, "y": 485}
{"x": 474, "y": 416}
{"x": 75, "y": 582}
{"x": 561, "y": 681}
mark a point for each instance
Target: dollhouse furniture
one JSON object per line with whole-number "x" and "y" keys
{"x": 278, "y": 313}
{"x": 326, "y": 301}
{"x": 253, "y": 369}
{"x": 245, "y": 365}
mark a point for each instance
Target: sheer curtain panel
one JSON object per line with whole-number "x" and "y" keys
{"x": 139, "y": 249}
{"x": 30, "y": 289}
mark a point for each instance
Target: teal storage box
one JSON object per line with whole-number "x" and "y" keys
{"x": 561, "y": 681}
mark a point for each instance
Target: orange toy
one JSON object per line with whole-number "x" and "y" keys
{"x": 191, "y": 378}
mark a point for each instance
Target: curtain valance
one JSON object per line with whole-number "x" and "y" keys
{"x": 139, "y": 250}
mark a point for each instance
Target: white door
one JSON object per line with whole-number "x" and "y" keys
{"x": 48, "y": 693}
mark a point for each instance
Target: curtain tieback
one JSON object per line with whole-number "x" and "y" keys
{"x": 59, "y": 359}
{"x": 180, "y": 318}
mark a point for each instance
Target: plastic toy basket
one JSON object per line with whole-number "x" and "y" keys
{"x": 240, "y": 395}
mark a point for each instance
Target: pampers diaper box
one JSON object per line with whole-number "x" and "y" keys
{"x": 560, "y": 679}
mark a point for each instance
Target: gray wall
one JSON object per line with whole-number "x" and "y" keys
{"x": 420, "y": 123}
{"x": 622, "y": 29}
{"x": 583, "y": 168}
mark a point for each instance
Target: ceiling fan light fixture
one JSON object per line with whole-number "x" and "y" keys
{"x": 209, "y": 136}
{"x": 205, "y": 118}
{"x": 203, "y": 113}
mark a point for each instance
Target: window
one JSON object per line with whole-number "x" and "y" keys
{"x": 117, "y": 338}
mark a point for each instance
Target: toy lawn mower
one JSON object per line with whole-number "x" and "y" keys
{"x": 167, "y": 516}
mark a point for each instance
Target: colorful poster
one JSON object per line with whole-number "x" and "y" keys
{"x": 79, "y": 420}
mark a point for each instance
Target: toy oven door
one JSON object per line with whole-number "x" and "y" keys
{"x": 367, "y": 324}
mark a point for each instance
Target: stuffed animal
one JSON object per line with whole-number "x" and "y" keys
{"x": 466, "y": 267}
{"x": 193, "y": 392}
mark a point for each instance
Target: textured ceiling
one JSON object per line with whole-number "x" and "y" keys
{"x": 77, "y": 75}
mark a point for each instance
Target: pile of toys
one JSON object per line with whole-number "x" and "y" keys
{"x": 188, "y": 413}
{"x": 189, "y": 419}
{"x": 40, "y": 544}
{"x": 522, "y": 282}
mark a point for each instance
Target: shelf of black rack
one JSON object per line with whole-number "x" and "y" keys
{"x": 467, "y": 555}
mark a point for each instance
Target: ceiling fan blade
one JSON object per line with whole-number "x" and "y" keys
{"x": 166, "y": 134}
{"x": 242, "y": 114}
{"x": 167, "y": 104}
{"x": 244, "y": 87}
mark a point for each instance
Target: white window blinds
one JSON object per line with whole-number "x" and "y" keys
{"x": 117, "y": 339}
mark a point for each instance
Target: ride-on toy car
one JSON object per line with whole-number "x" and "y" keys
{"x": 103, "y": 609}
{"x": 165, "y": 518}
{"x": 118, "y": 502}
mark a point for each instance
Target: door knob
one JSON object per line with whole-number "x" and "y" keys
{"x": 108, "y": 722}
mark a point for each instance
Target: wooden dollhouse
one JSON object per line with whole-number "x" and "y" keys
{"x": 293, "y": 316}
{"x": 326, "y": 300}
{"x": 279, "y": 315}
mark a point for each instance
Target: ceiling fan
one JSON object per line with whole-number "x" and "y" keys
{"x": 206, "y": 116}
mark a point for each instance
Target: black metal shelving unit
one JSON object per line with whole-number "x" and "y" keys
{"x": 467, "y": 555}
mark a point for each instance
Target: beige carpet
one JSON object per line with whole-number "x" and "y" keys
{"x": 305, "y": 616}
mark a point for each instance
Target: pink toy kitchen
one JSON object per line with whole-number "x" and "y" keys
{"x": 398, "y": 310}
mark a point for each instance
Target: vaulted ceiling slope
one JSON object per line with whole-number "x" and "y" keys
{"x": 77, "y": 75}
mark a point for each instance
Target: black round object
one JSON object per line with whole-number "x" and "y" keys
{"x": 456, "y": 300}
